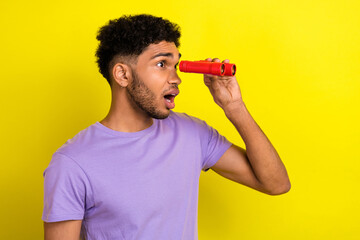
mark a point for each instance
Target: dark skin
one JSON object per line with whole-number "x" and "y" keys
{"x": 258, "y": 167}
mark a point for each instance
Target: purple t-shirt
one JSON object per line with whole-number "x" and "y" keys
{"x": 140, "y": 185}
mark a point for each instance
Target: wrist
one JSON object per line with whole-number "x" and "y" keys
{"x": 234, "y": 108}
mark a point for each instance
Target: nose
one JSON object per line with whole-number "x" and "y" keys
{"x": 174, "y": 78}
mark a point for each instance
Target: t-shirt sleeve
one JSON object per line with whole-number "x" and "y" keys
{"x": 65, "y": 189}
{"x": 214, "y": 146}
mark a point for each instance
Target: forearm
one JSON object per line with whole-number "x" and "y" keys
{"x": 262, "y": 156}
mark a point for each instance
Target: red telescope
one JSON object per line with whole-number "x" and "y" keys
{"x": 205, "y": 67}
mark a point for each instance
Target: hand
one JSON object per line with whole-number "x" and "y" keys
{"x": 224, "y": 89}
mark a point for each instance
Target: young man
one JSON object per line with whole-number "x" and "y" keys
{"x": 135, "y": 174}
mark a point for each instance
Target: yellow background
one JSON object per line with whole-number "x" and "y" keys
{"x": 299, "y": 70}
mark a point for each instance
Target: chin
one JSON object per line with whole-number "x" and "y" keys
{"x": 160, "y": 114}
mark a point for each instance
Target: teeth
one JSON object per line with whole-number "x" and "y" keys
{"x": 168, "y": 100}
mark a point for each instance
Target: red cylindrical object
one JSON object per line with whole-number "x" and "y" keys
{"x": 204, "y": 67}
{"x": 228, "y": 69}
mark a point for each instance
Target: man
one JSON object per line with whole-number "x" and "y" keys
{"x": 135, "y": 174}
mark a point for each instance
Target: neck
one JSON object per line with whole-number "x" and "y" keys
{"x": 124, "y": 116}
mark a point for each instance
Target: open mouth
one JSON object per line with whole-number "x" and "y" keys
{"x": 170, "y": 98}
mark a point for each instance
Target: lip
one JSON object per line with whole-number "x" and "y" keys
{"x": 169, "y": 102}
{"x": 173, "y": 92}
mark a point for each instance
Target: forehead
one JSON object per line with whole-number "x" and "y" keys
{"x": 167, "y": 49}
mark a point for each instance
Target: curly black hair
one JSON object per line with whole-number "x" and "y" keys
{"x": 130, "y": 35}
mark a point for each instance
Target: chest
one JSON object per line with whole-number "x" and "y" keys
{"x": 137, "y": 179}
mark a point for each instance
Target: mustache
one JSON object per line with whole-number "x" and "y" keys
{"x": 174, "y": 86}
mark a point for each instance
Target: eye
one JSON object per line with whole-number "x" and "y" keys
{"x": 161, "y": 64}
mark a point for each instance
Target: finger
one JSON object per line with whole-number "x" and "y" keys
{"x": 208, "y": 59}
{"x": 210, "y": 77}
{"x": 226, "y": 61}
{"x": 216, "y": 60}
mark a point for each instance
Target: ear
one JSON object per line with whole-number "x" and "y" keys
{"x": 122, "y": 74}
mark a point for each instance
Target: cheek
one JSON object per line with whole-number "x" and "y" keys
{"x": 155, "y": 81}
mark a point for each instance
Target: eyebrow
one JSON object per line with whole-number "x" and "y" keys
{"x": 165, "y": 55}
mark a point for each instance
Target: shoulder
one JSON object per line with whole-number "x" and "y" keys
{"x": 191, "y": 122}
{"x": 83, "y": 141}
{"x": 186, "y": 119}
{"x": 188, "y": 125}
{"x": 61, "y": 164}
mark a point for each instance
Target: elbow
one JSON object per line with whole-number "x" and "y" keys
{"x": 280, "y": 189}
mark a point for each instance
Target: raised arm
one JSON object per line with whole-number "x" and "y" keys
{"x": 259, "y": 166}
